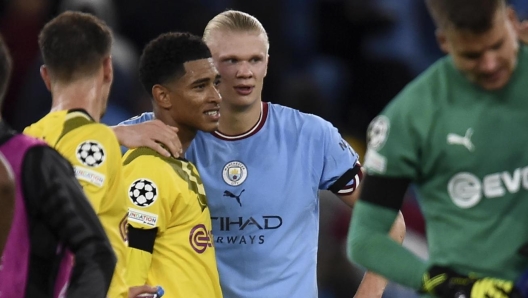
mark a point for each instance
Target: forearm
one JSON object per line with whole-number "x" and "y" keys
{"x": 370, "y": 246}
{"x": 373, "y": 285}
{"x": 145, "y": 132}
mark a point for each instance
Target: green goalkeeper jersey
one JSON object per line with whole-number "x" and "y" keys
{"x": 465, "y": 149}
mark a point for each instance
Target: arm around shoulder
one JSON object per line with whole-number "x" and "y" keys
{"x": 150, "y": 134}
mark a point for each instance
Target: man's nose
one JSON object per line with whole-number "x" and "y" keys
{"x": 489, "y": 62}
{"x": 244, "y": 70}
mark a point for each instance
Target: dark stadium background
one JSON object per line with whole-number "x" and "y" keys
{"x": 342, "y": 60}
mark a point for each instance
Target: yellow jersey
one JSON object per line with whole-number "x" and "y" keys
{"x": 170, "y": 238}
{"x": 93, "y": 150}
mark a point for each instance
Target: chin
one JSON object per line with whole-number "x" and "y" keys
{"x": 242, "y": 102}
{"x": 209, "y": 128}
{"x": 491, "y": 86}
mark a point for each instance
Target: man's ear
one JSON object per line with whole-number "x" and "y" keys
{"x": 441, "y": 39}
{"x": 512, "y": 15}
{"x": 108, "y": 70}
{"x": 44, "y": 74}
{"x": 161, "y": 96}
{"x": 267, "y": 61}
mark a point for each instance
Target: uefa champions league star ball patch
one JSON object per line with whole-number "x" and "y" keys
{"x": 90, "y": 153}
{"x": 234, "y": 173}
{"x": 377, "y": 132}
{"x": 143, "y": 192}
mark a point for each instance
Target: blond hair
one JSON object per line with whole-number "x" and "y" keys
{"x": 235, "y": 21}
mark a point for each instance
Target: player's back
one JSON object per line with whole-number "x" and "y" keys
{"x": 94, "y": 152}
{"x": 166, "y": 195}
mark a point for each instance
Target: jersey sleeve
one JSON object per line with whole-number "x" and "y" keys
{"x": 95, "y": 155}
{"x": 341, "y": 169}
{"x": 392, "y": 161}
{"x": 144, "y": 183}
{"x": 394, "y": 138}
{"x": 147, "y": 212}
{"x": 54, "y": 196}
{"x": 147, "y": 116}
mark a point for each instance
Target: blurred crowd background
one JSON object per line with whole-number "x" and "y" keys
{"x": 343, "y": 60}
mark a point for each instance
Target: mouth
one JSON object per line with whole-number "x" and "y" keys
{"x": 244, "y": 89}
{"x": 214, "y": 115}
{"x": 493, "y": 77}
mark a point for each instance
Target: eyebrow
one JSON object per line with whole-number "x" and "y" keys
{"x": 479, "y": 53}
{"x": 205, "y": 80}
{"x": 237, "y": 57}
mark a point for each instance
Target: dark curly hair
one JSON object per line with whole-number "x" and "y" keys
{"x": 74, "y": 43}
{"x": 163, "y": 58}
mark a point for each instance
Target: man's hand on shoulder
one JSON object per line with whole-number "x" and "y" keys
{"x": 150, "y": 134}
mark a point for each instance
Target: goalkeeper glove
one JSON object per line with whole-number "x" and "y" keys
{"x": 446, "y": 283}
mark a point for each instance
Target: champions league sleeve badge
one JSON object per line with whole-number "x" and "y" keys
{"x": 90, "y": 153}
{"x": 377, "y": 132}
{"x": 234, "y": 173}
{"x": 143, "y": 192}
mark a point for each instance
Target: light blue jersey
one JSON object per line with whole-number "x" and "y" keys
{"x": 263, "y": 189}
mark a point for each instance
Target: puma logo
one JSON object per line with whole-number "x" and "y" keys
{"x": 454, "y": 139}
{"x": 227, "y": 193}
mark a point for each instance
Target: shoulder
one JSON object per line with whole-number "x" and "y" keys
{"x": 41, "y": 158}
{"x": 147, "y": 160}
{"x": 289, "y": 118}
{"x": 428, "y": 84}
{"x": 422, "y": 97}
{"x": 146, "y": 116}
{"x": 93, "y": 132}
{"x": 142, "y": 155}
{"x": 144, "y": 164}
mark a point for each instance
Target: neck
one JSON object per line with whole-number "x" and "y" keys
{"x": 84, "y": 94}
{"x": 236, "y": 121}
{"x": 185, "y": 133}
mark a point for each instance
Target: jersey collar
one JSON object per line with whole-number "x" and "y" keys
{"x": 256, "y": 128}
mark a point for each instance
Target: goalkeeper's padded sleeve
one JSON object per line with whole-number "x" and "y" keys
{"x": 59, "y": 211}
{"x": 370, "y": 246}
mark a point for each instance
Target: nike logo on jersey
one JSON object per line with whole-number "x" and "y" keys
{"x": 227, "y": 193}
{"x": 454, "y": 139}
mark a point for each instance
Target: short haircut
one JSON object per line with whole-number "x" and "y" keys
{"x": 476, "y": 16}
{"x": 74, "y": 44}
{"x": 163, "y": 58}
{"x": 235, "y": 21}
{"x": 5, "y": 69}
